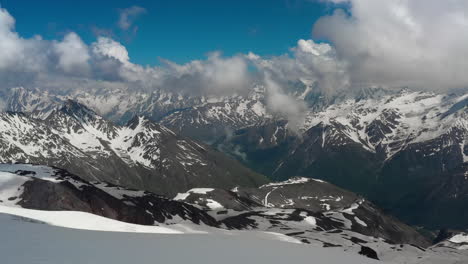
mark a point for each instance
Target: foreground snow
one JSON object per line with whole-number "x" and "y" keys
{"x": 58, "y": 245}
{"x": 86, "y": 221}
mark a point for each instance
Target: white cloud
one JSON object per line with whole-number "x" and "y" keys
{"x": 317, "y": 63}
{"x": 280, "y": 103}
{"x": 10, "y": 44}
{"x": 216, "y": 75}
{"x": 111, "y": 48}
{"x": 73, "y": 54}
{"x": 128, "y": 15}
{"x": 415, "y": 43}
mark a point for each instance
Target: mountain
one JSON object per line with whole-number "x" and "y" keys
{"x": 405, "y": 151}
{"x": 300, "y": 210}
{"x": 402, "y": 149}
{"x": 209, "y": 117}
{"x": 141, "y": 154}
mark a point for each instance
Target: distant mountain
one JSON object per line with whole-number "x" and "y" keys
{"x": 406, "y": 151}
{"x": 141, "y": 154}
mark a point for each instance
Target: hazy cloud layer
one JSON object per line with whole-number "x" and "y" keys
{"x": 415, "y": 43}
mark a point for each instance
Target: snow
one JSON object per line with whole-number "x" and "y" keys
{"x": 359, "y": 221}
{"x": 462, "y": 149}
{"x": 181, "y": 196}
{"x": 119, "y": 192}
{"x": 296, "y": 180}
{"x": 309, "y": 219}
{"x": 460, "y": 238}
{"x": 11, "y": 188}
{"x": 31, "y": 242}
{"x": 265, "y": 200}
{"x": 42, "y": 172}
{"x": 213, "y": 205}
{"x": 353, "y": 207}
{"x": 317, "y": 180}
{"x": 411, "y": 117}
{"x": 86, "y": 221}
{"x": 201, "y": 190}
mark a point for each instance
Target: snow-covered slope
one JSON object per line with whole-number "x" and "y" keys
{"x": 85, "y": 221}
{"x": 390, "y": 123}
{"x": 57, "y": 245}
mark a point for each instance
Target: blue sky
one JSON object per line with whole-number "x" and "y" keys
{"x": 178, "y": 30}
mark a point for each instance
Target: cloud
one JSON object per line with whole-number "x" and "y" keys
{"x": 217, "y": 75}
{"x": 311, "y": 63}
{"x": 283, "y": 105}
{"x": 69, "y": 65}
{"x": 73, "y": 54}
{"x": 394, "y": 43}
{"x": 128, "y": 16}
{"x": 10, "y": 46}
{"x": 112, "y": 49}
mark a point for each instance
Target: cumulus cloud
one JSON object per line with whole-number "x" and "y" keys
{"x": 10, "y": 46}
{"x": 216, "y": 75}
{"x": 73, "y": 54}
{"x": 393, "y": 43}
{"x": 112, "y": 49}
{"x": 70, "y": 64}
{"x": 128, "y": 16}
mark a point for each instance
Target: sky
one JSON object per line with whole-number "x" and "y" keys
{"x": 177, "y": 30}
{"x": 214, "y": 48}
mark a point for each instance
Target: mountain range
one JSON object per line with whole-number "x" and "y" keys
{"x": 140, "y": 154}
{"x": 402, "y": 149}
{"x": 354, "y": 160}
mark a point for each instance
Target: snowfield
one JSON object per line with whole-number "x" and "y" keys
{"x": 26, "y": 241}
{"x": 85, "y": 221}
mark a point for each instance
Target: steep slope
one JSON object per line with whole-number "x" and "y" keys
{"x": 141, "y": 154}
